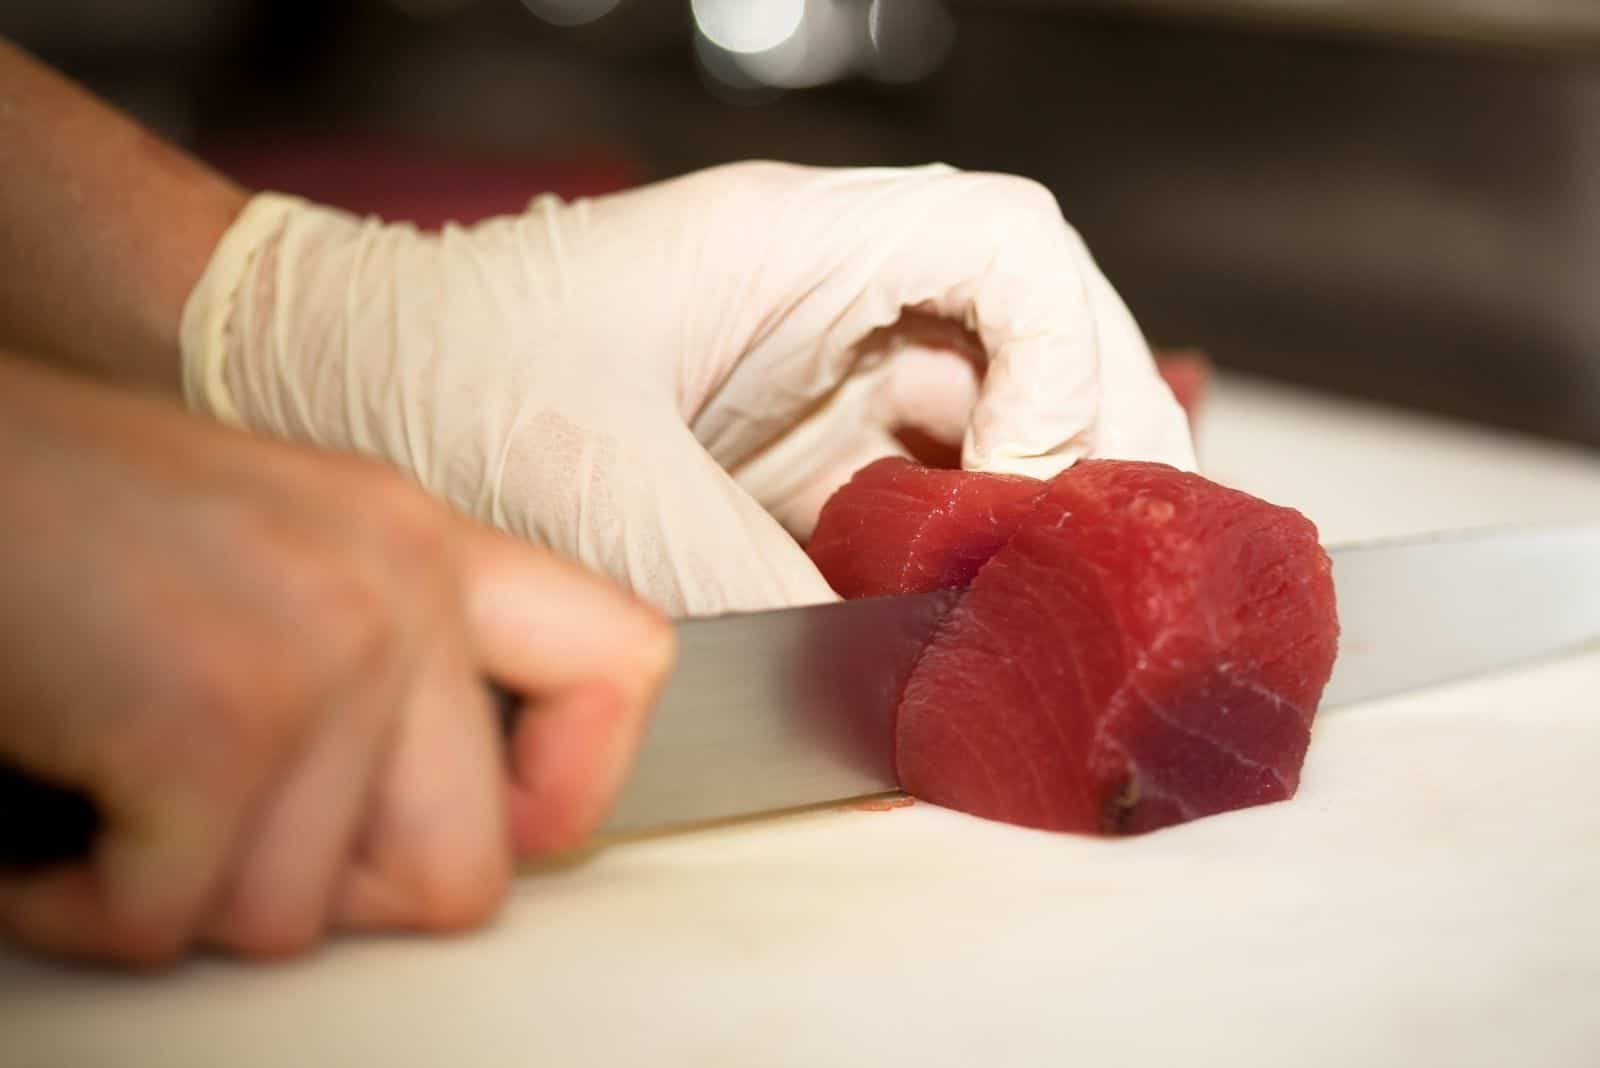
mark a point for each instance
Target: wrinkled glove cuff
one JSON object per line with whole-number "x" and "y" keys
{"x": 203, "y": 331}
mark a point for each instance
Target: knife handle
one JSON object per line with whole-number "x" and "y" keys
{"x": 46, "y": 824}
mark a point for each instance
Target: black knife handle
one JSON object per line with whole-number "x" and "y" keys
{"x": 43, "y": 824}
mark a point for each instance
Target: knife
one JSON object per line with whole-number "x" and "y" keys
{"x": 767, "y": 711}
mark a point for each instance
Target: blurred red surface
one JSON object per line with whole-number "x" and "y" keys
{"x": 417, "y": 183}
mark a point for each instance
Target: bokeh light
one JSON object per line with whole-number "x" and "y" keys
{"x": 800, "y": 44}
{"x": 571, "y": 12}
{"x": 748, "y": 26}
{"x": 910, "y": 38}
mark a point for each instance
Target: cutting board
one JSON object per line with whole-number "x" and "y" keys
{"x": 1431, "y": 897}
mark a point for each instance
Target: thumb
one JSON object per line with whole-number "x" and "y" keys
{"x": 920, "y": 384}
{"x": 729, "y": 554}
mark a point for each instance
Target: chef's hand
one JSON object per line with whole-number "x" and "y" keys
{"x": 646, "y": 380}
{"x": 266, "y": 666}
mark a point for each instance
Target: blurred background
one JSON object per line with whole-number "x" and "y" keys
{"x": 1393, "y": 199}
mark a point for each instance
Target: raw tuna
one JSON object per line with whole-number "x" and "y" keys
{"x": 902, "y": 528}
{"x": 1140, "y": 647}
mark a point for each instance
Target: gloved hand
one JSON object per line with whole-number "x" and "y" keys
{"x": 646, "y": 380}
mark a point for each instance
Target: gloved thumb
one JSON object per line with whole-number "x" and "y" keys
{"x": 913, "y": 386}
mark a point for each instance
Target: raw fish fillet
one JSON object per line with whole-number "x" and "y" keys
{"x": 1140, "y": 647}
{"x": 898, "y": 527}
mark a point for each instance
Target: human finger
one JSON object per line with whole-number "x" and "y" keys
{"x": 139, "y": 896}
{"x": 587, "y": 659}
{"x": 924, "y": 383}
{"x": 1139, "y": 417}
{"x": 278, "y": 895}
{"x": 569, "y": 755}
{"x": 434, "y": 853}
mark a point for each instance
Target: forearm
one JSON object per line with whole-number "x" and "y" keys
{"x": 104, "y": 229}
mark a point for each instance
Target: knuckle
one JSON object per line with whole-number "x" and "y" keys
{"x": 270, "y": 934}
{"x": 408, "y": 527}
{"x": 146, "y": 942}
{"x": 261, "y": 917}
{"x": 355, "y": 634}
{"x": 1031, "y": 197}
{"x": 1018, "y": 200}
{"x": 334, "y": 619}
{"x": 350, "y": 473}
{"x": 264, "y": 674}
{"x": 111, "y": 929}
{"x": 246, "y": 696}
{"x": 458, "y": 894}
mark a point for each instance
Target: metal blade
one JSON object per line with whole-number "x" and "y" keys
{"x": 1422, "y": 611}
{"x": 773, "y": 710}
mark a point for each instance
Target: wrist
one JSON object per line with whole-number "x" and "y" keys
{"x": 205, "y": 325}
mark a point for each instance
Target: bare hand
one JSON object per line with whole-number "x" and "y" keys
{"x": 267, "y": 668}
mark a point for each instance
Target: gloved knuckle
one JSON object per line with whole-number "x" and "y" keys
{"x": 761, "y": 171}
{"x": 1030, "y": 198}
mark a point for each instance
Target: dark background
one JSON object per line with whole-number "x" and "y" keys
{"x": 1406, "y": 209}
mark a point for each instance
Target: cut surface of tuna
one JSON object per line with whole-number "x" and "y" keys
{"x": 1139, "y": 647}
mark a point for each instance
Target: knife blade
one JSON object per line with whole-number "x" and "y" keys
{"x": 1418, "y": 611}
{"x": 772, "y": 710}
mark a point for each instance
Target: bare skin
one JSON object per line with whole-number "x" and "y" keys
{"x": 104, "y": 227}
{"x": 266, "y": 665}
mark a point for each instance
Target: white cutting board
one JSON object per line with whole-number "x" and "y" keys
{"x": 1431, "y": 897}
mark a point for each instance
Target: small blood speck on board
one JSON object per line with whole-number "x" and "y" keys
{"x": 883, "y": 804}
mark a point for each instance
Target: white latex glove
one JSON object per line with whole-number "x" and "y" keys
{"x": 645, "y": 380}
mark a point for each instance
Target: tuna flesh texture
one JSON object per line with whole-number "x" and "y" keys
{"x": 1137, "y": 646}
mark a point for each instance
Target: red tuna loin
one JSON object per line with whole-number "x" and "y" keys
{"x": 901, "y": 528}
{"x": 1146, "y": 648}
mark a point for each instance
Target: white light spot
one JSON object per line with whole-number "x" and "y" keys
{"x": 822, "y": 49}
{"x": 748, "y": 26}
